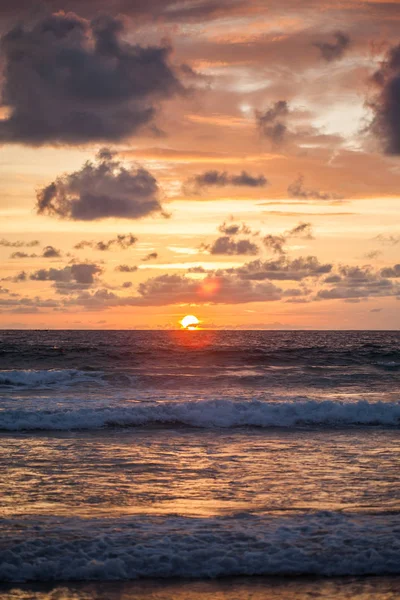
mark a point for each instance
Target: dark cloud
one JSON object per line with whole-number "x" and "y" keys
{"x": 121, "y": 241}
{"x": 101, "y": 189}
{"x": 71, "y": 279}
{"x": 19, "y": 244}
{"x": 48, "y": 252}
{"x": 70, "y": 80}
{"x": 272, "y": 122}
{"x": 19, "y": 254}
{"x": 197, "y": 270}
{"x": 234, "y": 228}
{"x": 302, "y": 230}
{"x": 386, "y": 104}
{"x": 391, "y": 272}
{"x": 126, "y": 269}
{"x": 127, "y": 284}
{"x": 333, "y": 51}
{"x": 231, "y": 247}
{"x": 277, "y": 243}
{"x": 354, "y": 283}
{"x": 51, "y": 252}
{"x": 283, "y": 269}
{"x": 298, "y": 190}
{"x": 216, "y": 178}
{"x": 150, "y": 256}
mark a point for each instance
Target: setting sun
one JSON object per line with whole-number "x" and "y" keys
{"x": 190, "y": 322}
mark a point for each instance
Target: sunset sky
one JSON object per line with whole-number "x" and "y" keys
{"x": 238, "y": 160}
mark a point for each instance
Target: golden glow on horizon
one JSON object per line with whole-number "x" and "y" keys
{"x": 190, "y": 322}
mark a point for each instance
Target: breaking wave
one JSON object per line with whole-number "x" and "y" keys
{"x": 324, "y": 544}
{"x": 222, "y": 413}
{"x": 31, "y": 378}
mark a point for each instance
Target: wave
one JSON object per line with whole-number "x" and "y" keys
{"x": 323, "y": 544}
{"x": 222, "y": 413}
{"x": 46, "y": 377}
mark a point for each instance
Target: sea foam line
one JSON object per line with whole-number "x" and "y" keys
{"x": 324, "y": 544}
{"x": 207, "y": 414}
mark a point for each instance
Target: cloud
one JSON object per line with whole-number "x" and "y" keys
{"x": 298, "y": 190}
{"x": 283, "y": 268}
{"x": 19, "y": 254}
{"x": 100, "y": 190}
{"x": 355, "y": 283}
{"x": 386, "y": 103}
{"x": 122, "y": 241}
{"x": 126, "y": 269}
{"x": 231, "y": 247}
{"x": 391, "y": 272}
{"x": 302, "y": 230}
{"x": 69, "y": 279}
{"x": 334, "y": 51}
{"x": 234, "y": 228}
{"x": 277, "y": 243}
{"x": 391, "y": 240}
{"x": 73, "y": 81}
{"x": 51, "y": 252}
{"x": 214, "y": 178}
{"x": 48, "y": 252}
{"x": 150, "y": 256}
{"x": 223, "y": 289}
{"x": 272, "y": 122}
{"x": 19, "y": 244}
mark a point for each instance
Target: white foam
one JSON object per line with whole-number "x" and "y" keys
{"x": 207, "y": 413}
{"x": 324, "y": 544}
{"x": 45, "y": 377}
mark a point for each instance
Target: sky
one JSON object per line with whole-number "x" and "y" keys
{"x": 238, "y": 160}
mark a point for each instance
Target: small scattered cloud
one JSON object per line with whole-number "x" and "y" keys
{"x": 389, "y": 240}
{"x": 297, "y": 189}
{"x": 272, "y": 123}
{"x": 19, "y": 244}
{"x": 51, "y": 252}
{"x": 48, "y": 252}
{"x": 69, "y": 279}
{"x": 284, "y": 268}
{"x": 214, "y": 178}
{"x": 150, "y": 256}
{"x": 277, "y": 243}
{"x": 126, "y": 268}
{"x": 232, "y": 228}
{"x": 229, "y": 246}
{"x": 334, "y": 51}
{"x": 121, "y": 241}
{"x": 391, "y": 272}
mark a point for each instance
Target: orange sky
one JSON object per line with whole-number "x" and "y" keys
{"x": 252, "y": 169}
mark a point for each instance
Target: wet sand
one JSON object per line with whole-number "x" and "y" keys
{"x": 372, "y": 588}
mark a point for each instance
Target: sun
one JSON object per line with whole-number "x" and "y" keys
{"x": 190, "y": 322}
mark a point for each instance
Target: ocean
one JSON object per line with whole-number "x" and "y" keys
{"x": 199, "y": 464}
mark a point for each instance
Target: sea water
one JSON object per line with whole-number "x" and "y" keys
{"x": 246, "y": 464}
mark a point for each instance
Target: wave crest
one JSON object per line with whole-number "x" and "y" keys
{"x": 208, "y": 414}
